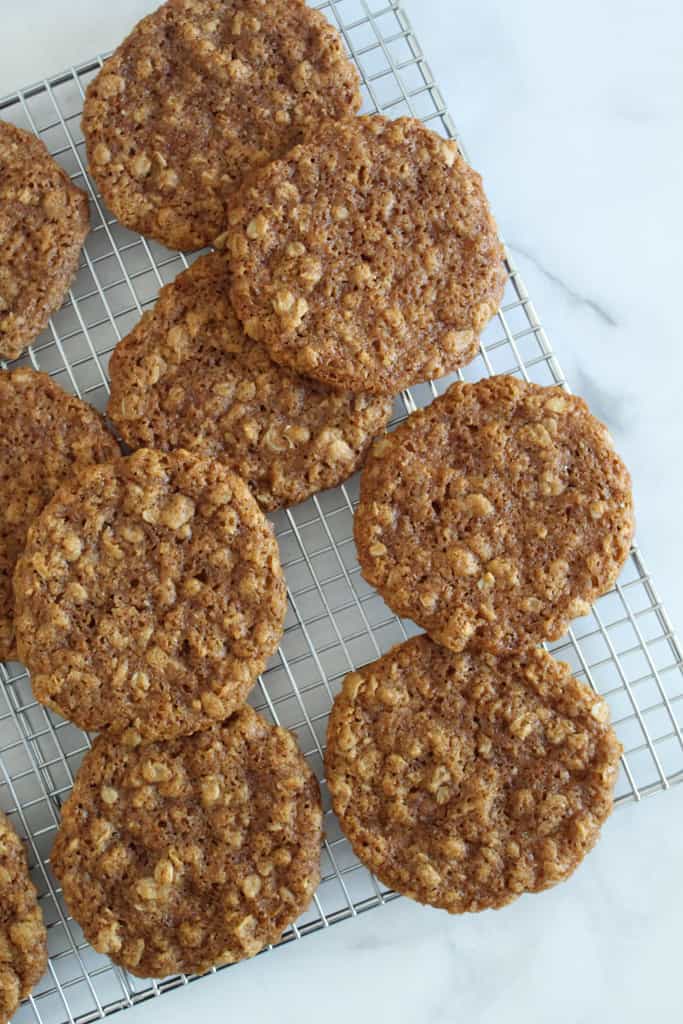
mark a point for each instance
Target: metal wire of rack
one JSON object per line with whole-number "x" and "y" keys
{"x": 625, "y": 648}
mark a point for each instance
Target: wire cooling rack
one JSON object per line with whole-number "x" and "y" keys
{"x": 625, "y": 648}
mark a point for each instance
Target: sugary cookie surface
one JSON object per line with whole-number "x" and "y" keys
{"x": 496, "y": 515}
{"x": 23, "y": 939}
{"x": 199, "y": 94}
{"x": 149, "y": 596}
{"x": 368, "y": 257}
{"x": 43, "y": 223}
{"x": 45, "y": 436}
{"x": 464, "y": 780}
{"x": 179, "y": 855}
{"x": 188, "y": 377}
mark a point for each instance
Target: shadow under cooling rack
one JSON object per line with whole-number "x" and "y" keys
{"x": 625, "y": 648}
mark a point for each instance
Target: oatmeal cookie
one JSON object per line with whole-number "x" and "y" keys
{"x": 201, "y": 93}
{"x": 188, "y": 377}
{"x": 45, "y": 436}
{"x": 464, "y": 780}
{"x": 366, "y": 258}
{"x": 23, "y": 939}
{"x": 178, "y": 855}
{"x": 496, "y": 515}
{"x": 43, "y": 223}
{"x": 149, "y": 596}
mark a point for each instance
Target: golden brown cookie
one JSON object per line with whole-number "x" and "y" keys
{"x": 43, "y": 223}
{"x": 149, "y": 596}
{"x": 199, "y": 94}
{"x": 179, "y": 855}
{"x": 495, "y": 515}
{"x": 464, "y": 780}
{"x": 188, "y": 377}
{"x": 45, "y": 436}
{"x": 23, "y": 939}
{"x": 366, "y": 258}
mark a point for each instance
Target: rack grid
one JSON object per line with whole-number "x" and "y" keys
{"x": 625, "y": 648}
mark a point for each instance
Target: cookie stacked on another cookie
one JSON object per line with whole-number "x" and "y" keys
{"x": 149, "y": 596}
{"x": 360, "y": 258}
{"x": 367, "y": 258}
{"x": 189, "y": 377}
{"x": 200, "y": 94}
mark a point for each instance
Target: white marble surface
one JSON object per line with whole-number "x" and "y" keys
{"x": 573, "y": 113}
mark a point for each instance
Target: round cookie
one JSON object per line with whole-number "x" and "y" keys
{"x": 149, "y": 596}
{"x": 45, "y": 436}
{"x": 495, "y": 515}
{"x": 464, "y": 780}
{"x": 179, "y": 855}
{"x": 201, "y": 93}
{"x": 23, "y": 939}
{"x": 366, "y": 258}
{"x": 188, "y": 377}
{"x": 43, "y": 223}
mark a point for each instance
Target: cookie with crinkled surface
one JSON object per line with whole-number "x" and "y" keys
{"x": 23, "y": 939}
{"x": 149, "y": 596}
{"x": 43, "y": 223}
{"x": 178, "y": 855}
{"x": 201, "y": 93}
{"x": 366, "y": 258}
{"x": 495, "y": 515}
{"x": 45, "y": 436}
{"x": 465, "y": 780}
{"x": 188, "y": 377}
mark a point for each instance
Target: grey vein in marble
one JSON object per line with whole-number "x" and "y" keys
{"x": 571, "y": 293}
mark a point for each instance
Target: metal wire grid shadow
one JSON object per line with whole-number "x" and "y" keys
{"x": 625, "y": 648}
